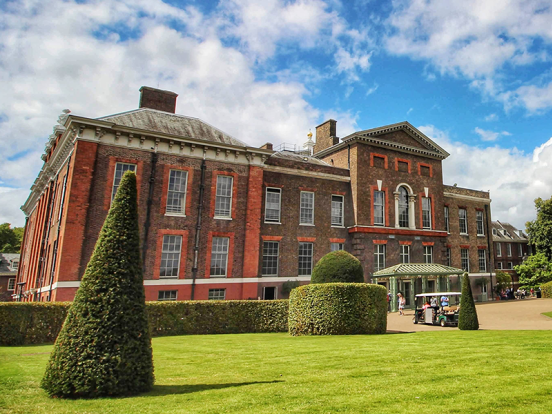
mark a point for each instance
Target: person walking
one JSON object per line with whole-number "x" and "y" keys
{"x": 388, "y": 301}
{"x": 402, "y": 302}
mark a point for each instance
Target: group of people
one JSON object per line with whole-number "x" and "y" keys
{"x": 518, "y": 294}
{"x": 433, "y": 302}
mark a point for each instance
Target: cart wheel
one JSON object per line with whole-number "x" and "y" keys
{"x": 443, "y": 322}
{"x": 414, "y": 320}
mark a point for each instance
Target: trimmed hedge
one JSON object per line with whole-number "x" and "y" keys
{"x": 546, "y": 290}
{"x": 467, "y": 318}
{"x": 338, "y": 309}
{"x": 38, "y": 323}
{"x": 338, "y": 267}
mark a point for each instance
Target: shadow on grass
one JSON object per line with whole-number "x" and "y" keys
{"x": 159, "y": 390}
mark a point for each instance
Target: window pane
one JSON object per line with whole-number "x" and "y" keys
{"x": 482, "y": 261}
{"x": 306, "y": 215}
{"x": 305, "y": 259}
{"x": 272, "y": 205}
{"x": 403, "y": 207}
{"x": 223, "y": 202}
{"x": 479, "y": 219}
{"x": 428, "y": 254}
{"x": 120, "y": 170}
{"x": 336, "y": 246}
{"x": 463, "y": 220}
{"x": 405, "y": 253}
{"x": 465, "y": 259}
{"x": 379, "y": 207}
{"x": 166, "y": 295}
{"x": 170, "y": 256}
{"x": 379, "y": 257}
{"x": 337, "y": 210}
{"x": 176, "y": 195}
{"x": 426, "y": 212}
{"x": 270, "y": 258}
{"x": 217, "y": 294}
{"x": 219, "y": 256}
{"x": 11, "y": 284}
{"x": 447, "y": 228}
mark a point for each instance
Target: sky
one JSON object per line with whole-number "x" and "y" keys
{"x": 474, "y": 75}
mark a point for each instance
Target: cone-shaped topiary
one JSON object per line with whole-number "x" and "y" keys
{"x": 104, "y": 347}
{"x": 467, "y": 319}
{"x": 338, "y": 267}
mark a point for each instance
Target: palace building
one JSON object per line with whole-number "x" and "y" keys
{"x": 223, "y": 220}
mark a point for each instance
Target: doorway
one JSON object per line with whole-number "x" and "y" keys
{"x": 270, "y": 293}
{"x": 407, "y": 290}
{"x": 430, "y": 286}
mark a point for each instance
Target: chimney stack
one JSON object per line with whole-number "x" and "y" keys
{"x": 326, "y": 135}
{"x": 158, "y": 99}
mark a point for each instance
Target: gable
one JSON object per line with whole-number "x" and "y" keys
{"x": 401, "y": 137}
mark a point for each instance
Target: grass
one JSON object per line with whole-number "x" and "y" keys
{"x": 424, "y": 372}
{"x": 549, "y": 314}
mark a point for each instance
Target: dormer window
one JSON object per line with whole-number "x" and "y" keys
{"x": 14, "y": 264}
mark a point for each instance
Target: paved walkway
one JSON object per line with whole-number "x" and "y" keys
{"x": 500, "y": 315}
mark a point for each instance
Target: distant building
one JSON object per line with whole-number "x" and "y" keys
{"x": 511, "y": 248}
{"x": 267, "y": 216}
{"x": 9, "y": 263}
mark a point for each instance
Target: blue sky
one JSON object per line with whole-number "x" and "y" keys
{"x": 475, "y": 76}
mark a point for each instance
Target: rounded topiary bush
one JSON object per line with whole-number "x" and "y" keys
{"x": 546, "y": 290}
{"x": 338, "y": 267}
{"x": 337, "y": 309}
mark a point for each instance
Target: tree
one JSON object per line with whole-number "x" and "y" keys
{"x": 536, "y": 270}
{"x": 540, "y": 229}
{"x": 338, "y": 267}
{"x": 503, "y": 281}
{"x": 467, "y": 319}
{"x": 10, "y": 238}
{"x": 104, "y": 347}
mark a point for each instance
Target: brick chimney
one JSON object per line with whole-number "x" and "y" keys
{"x": 326, "y": 135}
{"x": 157, "y": 99}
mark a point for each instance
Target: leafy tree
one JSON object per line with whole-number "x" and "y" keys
{"x": 534, "y": 271}
{"x": 10, "y": 238}
{"x": 467, "y": 319}
{"x": 336, "y": 267}
{"x": 540, "y": 229}
{"x": 104, "y": 347}
{"x": 503, "y": 281}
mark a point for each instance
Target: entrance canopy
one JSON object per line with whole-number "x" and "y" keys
{"x": 417, "y": 269}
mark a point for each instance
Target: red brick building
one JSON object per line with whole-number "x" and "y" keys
{"x": 511, "y": 248}
{"x": 221, "y": 219}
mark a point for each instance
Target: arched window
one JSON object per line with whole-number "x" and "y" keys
{"x": 403, "y": 207}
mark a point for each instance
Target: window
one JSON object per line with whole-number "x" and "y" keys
{"x": 404, "y": 253}
{"x": 499, "y": 265}
{"x": 11, "y": 283}
{"x": 305, "y": 258}
{"x": 484, "y": 288}
{"x": 520, "y": 250}
{"x": 379, "y": 206}
{"x": 494, "y": 232}
{"x": 217, "y": 294}
{"x": 270, "y": 293}
{"x": 509, "y": 266}
{"x": 482, "y": 260}
{"x": 336, "y": 246}
{"x": 166, "y": 295}
{"x": 499, "y": 249}
{"x": 465, "y": 259}
{"x": 403, "y": 207}
{"x": 379, "y": 257}
{"x": 219, "y": 256}
{"x": 337, "y": 210}
{"x": 306, "y": 214}
{"x": 14, "y": 264}
{"x": 120, "y": 169}
{"x": 447, "y": 227}
{"x": 462, "y": 214}
{"x": 428, "y": 254}
{"x": 402, "y": 166}
{"x": 426, "y": 212}
{"x": 170, "y": 256}
{"x": 379, "y": 162}
{"x": 449, "y": 260}
{"x": 223, "y": 201}
{"x": 425, "y": 171}
{"x": 176, "y": 195}
{"x": 271, "y": 251}
{"x": 273, "y": 205}
{"x": 509, "y": 249}
{"x": 479, "y": 222}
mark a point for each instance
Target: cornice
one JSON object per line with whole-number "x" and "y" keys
{"x": 467, "y": 197}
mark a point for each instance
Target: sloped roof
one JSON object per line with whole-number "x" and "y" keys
{"x": 288, "y": 155}
{"x": 507, "y": 232}
{"x": 5, "y": 262}
{"x": 158, "y": 121}
{"x": 418, "y": 269}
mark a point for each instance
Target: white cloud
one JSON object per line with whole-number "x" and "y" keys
{"x": 487, "y": 135}
{"x": 514, "y": 178}
{"x": 491, "y": 117}
{"x": 11, "y": 199}
{"x": 371, "y": 90}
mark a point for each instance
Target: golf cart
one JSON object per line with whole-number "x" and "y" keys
{"x": 437, "y": 308}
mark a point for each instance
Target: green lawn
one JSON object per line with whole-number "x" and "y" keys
{"x": 425, "y": 372}
{"x": 549, "y": 314}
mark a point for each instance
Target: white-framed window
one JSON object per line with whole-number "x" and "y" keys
{"x": 520, "y": 250}
{"x": 120, "y": 169}
{"x": 305, "y": 258}
{"x": 271, "y": 252}
{"x": 337, "y": 210}
{"x": 379, "y": 208}
{"x": 426, "y": 212}
{"x": 499, "y": 249}
{"x": 447, "y": 225}
{"x": 176, "y": 194}
{"x": 166, "y": 295}
{"x": 14, "y": 264}
{"x": 463, "y": 220}
{"x": 334, "y": 247}
{"x": 217, "y": 294}
{"x": 465, "y": 259}
{"x": 494, "y": 232}
{"x": 273, "y": 205}
{"x": 509, "y": 249}
{"x": 509, "y": 266}
{"x": 449, "y": 258}
{"x": 482, "y": 260}
{"x": 479, "y": 222}
{"x": 223, "y": 200}
{"x": 11, "y": 283}
{"x": 404, "y": 253}
{"x": 499, "y": 265}
{"x": 170, "y": 257}
{"x": 219, "y": 256}
{"x": 379, "y": 257}
{"x": 428, "y": 254}
{"x": 306, "y": 211}
{"x": 403, "y": 207}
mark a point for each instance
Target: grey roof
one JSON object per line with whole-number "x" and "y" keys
{"x": 5, "y": 262}
{"x": 417, "y": 269}
{"x": 167, "y": 123}
{"x": 288, "y": 155}
{"x": 507, "y": 232}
